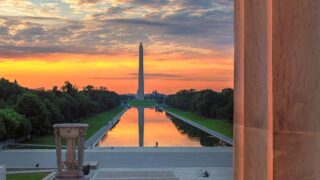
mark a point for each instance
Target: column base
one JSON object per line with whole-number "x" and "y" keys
{"x": 70, "y": 175}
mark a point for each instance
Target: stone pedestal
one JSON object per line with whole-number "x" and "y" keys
{"x": 2, "y": 172}
{"x": 74, "y": 134}
{"x": 277, "y": 85}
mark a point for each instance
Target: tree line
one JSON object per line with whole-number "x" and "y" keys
{"x": 32, "y": 112}
{"x": 208, "y": 103}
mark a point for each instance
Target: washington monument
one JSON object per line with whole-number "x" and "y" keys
{"x": 140, "y": 92}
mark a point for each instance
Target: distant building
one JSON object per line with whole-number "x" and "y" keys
{"x": 140, "y": 92}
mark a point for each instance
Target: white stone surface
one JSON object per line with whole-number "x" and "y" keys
{"x": 191, "y": 173}
{"x": 126, "y": 157}
{"x": 2, "y": 172}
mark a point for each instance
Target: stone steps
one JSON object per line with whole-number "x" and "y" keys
{"x": 134, "y": 175}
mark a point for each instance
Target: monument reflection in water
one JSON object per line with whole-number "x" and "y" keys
{"x": 146, "y": 127}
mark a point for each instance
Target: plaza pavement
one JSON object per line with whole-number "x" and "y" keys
{"x": 185, "y": 173}
{"x": 126, "y": 157}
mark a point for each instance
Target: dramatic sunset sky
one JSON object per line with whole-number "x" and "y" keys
{"x": 187, "y": 43}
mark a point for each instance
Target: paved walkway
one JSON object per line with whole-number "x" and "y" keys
{"x": 190, "y": 173}
{"x": 209, "y": 131}
{"x": 95, "y": 138}
{"x": 126, "y": 157}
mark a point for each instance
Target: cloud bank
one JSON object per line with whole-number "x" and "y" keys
{"x": 201, "y": 28}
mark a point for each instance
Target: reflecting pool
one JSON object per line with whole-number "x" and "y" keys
{"x": 149, "y": 127}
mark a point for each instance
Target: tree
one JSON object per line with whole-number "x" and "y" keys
{"x": 182, "y": 99}
{"x": 54, "y": 113}
{"x": 88, "y": 88}
{"x": 13, "y": 125}
{"x": 204, "y": 100}
{"x": 10, "y": 123}
{"x": 42, "y": 108}
{"x": 69, "y": 88}
{"x": 86, "y": 106}
{"x": 24, "y": 127}
{"x": 218, "y": 105}
{"x": 35, "y": 111}
{"x": 66, "y": 106}
{"x": 8, "y": 89}
{"x": 2, "y": 104}
{"x": 3, "y": 131}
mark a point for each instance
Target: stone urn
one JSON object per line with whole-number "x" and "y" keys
{"x": 74, "y": 134}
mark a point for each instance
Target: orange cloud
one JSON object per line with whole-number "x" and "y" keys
{"x": 119, "y": 73}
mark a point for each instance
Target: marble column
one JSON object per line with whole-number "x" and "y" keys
{"x": 277, "y": 85}
{"x": 71, "y": 168}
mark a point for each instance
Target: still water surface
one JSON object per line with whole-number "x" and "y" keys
{"x": 145, "y": 127}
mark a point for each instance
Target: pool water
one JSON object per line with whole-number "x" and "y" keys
{"x": 149, "y": 127}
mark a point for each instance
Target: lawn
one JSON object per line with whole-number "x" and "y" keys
{"x": 27, "y": 176}
{"x": 213, "y": 124}
{"x": 95, "y": 123}
{"x": 146, "y": 103}
{"x": 98, "y": 121}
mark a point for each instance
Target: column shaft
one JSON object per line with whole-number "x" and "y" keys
{"x": 277, "y": 85}
{"x": 81, "y": 141}
{"x": 58, "y": 149}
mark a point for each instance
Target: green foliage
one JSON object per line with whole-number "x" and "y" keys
{"x": 43, "y": 108}
{"x": 181, "y": 99}
{"x": 31, "y": 106}
{"x": 3, "y": 131}
{"x": 27, "y": 176}
{"x": 54, "y": 113}
{"x": 208, "y": 103}
{"x": 105, "y": 101}
{"x": 144, "y": 103}
{"x": 69, "y": 89}
{"x": 213, "y": 124}
{"x": 2, "y": 104}
{"x": 95, "y": 123}
{"x": 99, "y": 120}
{"x": 12, "y": 124}
{"x": 8, "y": 89}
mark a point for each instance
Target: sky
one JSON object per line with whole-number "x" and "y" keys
{"x": 187, "y": 43}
